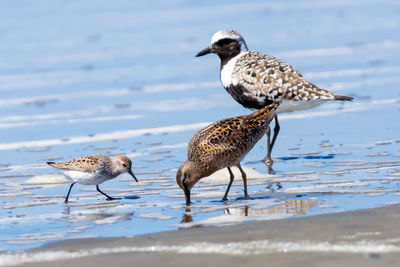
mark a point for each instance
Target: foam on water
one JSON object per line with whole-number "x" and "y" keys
{"x": 259, "y": 247}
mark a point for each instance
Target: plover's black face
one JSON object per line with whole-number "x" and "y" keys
{"x": 226, "y": 44}
{"x": 224, "y": 48}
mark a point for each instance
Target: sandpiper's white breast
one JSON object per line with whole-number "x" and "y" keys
{"x": 86, "y": 178}
{"x": 227, "y": 78}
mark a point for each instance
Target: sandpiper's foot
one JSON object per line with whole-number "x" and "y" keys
{"x": 246, "y": 197}
{"x": 112, "y": 198}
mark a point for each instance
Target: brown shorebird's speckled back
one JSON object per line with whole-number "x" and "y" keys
{"x": 225, "y": 142}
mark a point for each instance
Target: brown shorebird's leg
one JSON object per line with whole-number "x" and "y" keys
{"x": 108, "y": 197}
{"x": 244, "y": 177}
{"x": 229, "y": 185}
{"x": 268, "y": 160}
{"x": 69, "y": 191}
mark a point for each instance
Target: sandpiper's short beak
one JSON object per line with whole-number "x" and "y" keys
{"x": 134, "y": 177}
{"x": 204, "y": 52}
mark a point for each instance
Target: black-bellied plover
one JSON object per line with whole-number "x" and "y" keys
{"x": 223, "y": 144}
{"x": 94, "y": 170}
{"x": 255, "y": 80}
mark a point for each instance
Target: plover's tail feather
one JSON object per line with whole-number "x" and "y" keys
{"x": 343, "y": 98}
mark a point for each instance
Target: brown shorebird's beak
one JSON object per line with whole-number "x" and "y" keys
{"x": 205, "y": 51}
{"x": 187, "y": 194}
{"x": 134, "y": 177}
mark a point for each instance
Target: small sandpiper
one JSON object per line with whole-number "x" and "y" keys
{"x": 255, "y": 80}
{"x": 223, "y": 144}
{"x": 94, "y": 170}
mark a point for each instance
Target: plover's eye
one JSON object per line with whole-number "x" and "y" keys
{"x": 225, "y": 41}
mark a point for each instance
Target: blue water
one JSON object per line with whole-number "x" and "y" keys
{"x": 73, "y": 70}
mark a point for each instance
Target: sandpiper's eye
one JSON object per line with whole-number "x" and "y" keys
{"x": 125, "y": 165}
{"x": 225, "y": 41}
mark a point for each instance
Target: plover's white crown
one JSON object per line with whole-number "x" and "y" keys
{"x": 230, "y": 34}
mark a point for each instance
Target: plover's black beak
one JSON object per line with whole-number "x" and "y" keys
{"x": 187, "y": 195}
{"x": 134, "y": 177}
{"x": 204, "y": 52}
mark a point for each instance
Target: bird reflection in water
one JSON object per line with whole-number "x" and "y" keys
{"x": 289, "y": 206}
{"x": 270, "y": 186}
{"x": 74, "y": 216}
{"x": 187, "y": 216}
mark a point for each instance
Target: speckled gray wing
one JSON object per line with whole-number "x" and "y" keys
{"x": 84, "y": 164}
{"x": 267, "y": 79}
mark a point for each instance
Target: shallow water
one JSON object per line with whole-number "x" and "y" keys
{"x": 100, "y": 78}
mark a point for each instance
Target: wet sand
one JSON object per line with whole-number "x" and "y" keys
{"x": 368, "y": 237}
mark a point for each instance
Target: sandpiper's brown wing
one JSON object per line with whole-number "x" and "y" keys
{"x": 84, "y": 164}
{"x": 266, "y": 77}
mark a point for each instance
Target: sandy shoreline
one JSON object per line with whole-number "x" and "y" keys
{"x": 358, "y": 238}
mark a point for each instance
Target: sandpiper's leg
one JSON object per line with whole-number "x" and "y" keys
{"x": 244, "y": 177}
{"x": 268, "y": 160}
{"x": 69, "y": 191}
{"x": 108, "y": 197}
{"x": 229, "y": 185}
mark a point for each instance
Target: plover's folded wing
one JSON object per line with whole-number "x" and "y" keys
{"x": 266, "y": 77}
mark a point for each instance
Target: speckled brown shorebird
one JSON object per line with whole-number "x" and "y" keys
{"x": 223, "y": 144}
{"x": 94, "y": 170}
{"x": 255, "y": 80}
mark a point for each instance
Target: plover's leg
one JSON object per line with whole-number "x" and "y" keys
{"x": 229, "y": 185}
{"x": 108, "y": 197}
{"x": 244, "y": 177}
{"x": 69, "y": 191}
{"x": 268, "y": 160}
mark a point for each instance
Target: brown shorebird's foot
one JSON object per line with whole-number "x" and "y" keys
{"x": 268, "y": 161}
{"x": 246, "y": 197}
